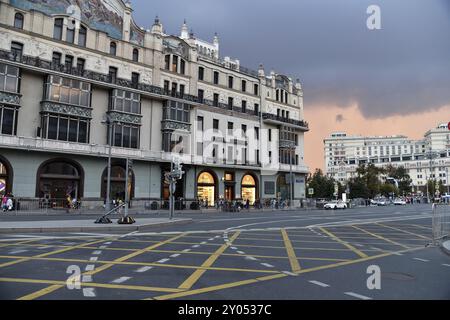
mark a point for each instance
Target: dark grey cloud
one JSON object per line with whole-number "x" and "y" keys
{"x": 403, "y": 68}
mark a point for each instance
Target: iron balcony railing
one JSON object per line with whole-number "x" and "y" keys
{"x": 91, "y": 75}
{"x": 298, "y": 123}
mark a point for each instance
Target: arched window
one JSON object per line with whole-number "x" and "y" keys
{"x": 60, "y": 178}
{"x": 18, "y": 20}
{"x": 5, "y": 176}
{"x": 113, "y": 48}
{"x": 206, "y": 188}
{"x": 135, "y": 55}
{"x": 249, "y": 189}
{"x": 82, "y": 36}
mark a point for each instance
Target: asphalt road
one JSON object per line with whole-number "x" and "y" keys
{"x": 271, "y": 255}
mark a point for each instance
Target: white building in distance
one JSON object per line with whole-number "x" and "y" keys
{"x": 425, "y": 159}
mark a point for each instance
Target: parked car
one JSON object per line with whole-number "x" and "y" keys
{"x": 333, "y": 205}
{"x": 399, "y": 202}
{"x": 382, "y": 202}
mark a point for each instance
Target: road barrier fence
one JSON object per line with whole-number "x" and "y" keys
{"x": 441, "y": 222}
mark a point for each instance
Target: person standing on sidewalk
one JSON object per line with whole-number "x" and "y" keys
{"x": 4, "y": 202}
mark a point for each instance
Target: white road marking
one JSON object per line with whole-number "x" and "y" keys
{"x": 359, "y": 245}
{"x": 89, "y": 292}
{"x": 358, "y": 296}
{"x": 290, "y": 273}
{"x": 162, "y": 261}
{"x": 42, "y": 248}
{"x": 96, "y": 253}
{"x": 318, "y": 283}
{"x": 240, "y": 252}
{"x": 267, "y": 265}
{"x": 196, "y": 246}
{"x": 211, "y": 239}
{"x": 17, "y": 251}
{"x": 175, "y": 255}
{"x": 143, "y": 269}
{"x": 423, "y": 260}
{"x": 103, "y": 247}
{"x": 93, "y": 259}
{"x": 87, "y": 278}
{"x": 90, "y": 267}
{"x": 233, "y": 248}
{"x": 251, "y": 258}
{"x": 446, "y": 265}
{"x": 108, "y": 243}
{"x": 186, "y": 250}
{"x": 121, "y": 280}
{"x": 204, "y": 242}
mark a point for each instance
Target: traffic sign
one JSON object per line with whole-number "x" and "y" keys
{"x": 311, "y": 191}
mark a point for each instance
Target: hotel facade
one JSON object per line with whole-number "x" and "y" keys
{"x": 75, "y": 80}
{"x": 424, "y": 159}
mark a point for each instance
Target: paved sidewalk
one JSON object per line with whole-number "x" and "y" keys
{"x": 84, "y": 225}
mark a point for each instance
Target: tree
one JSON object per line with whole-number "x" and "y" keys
{"x": 431, "y": 188}
{"x": 358, "y": 188}
{"x": 388, "y": 190}
{"x": 401, "y": 175}
{"x": 323, "y": 186}
{"x": 441, "y": 187}
{"x": 369, "y": 174}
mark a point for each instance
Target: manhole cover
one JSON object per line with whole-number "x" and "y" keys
{"x": 397, "y": 276}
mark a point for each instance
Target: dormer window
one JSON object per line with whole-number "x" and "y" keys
{"x": 113, "y": 48}
{"x": 18, "y": 20}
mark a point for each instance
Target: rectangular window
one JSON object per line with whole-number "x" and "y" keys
{"x": 125, "y": 101}
{"x": 255, "y": 89}
{"x": 200, "y": 123}
{"x": 244, "y": 130}
{"x": 64, "y": 90}
{"x": 256, "y": 109}
{"x": 166, "y": 86}
{"x": 201, "y": 73}
{"x": 182, "y": 66}
{"x": 82, "y": 35}
{"x": 230, "y": 82}
{"x": 9, "y": 78}
{"x": 56, "y": 58}
{"x": 112, "y": 74}
{"x": 200, "y": 95}
{"x": 200, "y": 149}
{"x": 230, "y": 103}
{"x": 177, "y": 111}
{"x": 230, "y": 128}
{"x": 17, "y": 51}
{"x": 182, "y": 89}
{"x": 216, "y": 77}
{"x": 216, "y": 99}
{"x": 8, "y": 120}
{"x": 174, "y": 64}
{"x": 216, "y": 125}
{"x": 244, "y": 85}
{"x": 80, "y": 65}
{"x": 256, "y": 133}
{"x": 244, "y": 106}
{"x": 167, "y": 62}
{"x": 174, "y": 88}
{"x": 270, "y": 134}
{"x": 70, "y": 34}
{"x": 126, "y": 136}
{"x": 135, "y": 78}
{"x": 58, "y": 29}
{"x": 68, "y": 63}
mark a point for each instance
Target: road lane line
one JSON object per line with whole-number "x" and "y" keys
{"x": 90, "y": 267}
{"x": 163, "y": 260}
{"x": 144, "y": 269}
{"x": 380, "y": 237}
{"x": 295, "y": 266}
{"x": 86, "y": 278}
{"x": 93, "y": 259}
{"x": 175, "y": 255}
{"x": 194, "y": 277}
{"x": 320, "y": 284}
{"x": 40, "y": 293}
{"x": 423, "y": 260}
{"x": 89, "y": 292}
{"x": 358, "y": 296}
{"x": 121, "y": 280}
{"x": 267, "y": 265}
{"x": 96, "y": 253}
{"x": 352, "y": 248}
{"x": 446, "y": 265}
{"x": 251, "y": 258}
{"x": 405, "y": 231}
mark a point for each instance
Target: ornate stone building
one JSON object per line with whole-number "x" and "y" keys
{"x": 67, "y": 71}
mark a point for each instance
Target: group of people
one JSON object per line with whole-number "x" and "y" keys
{"x": 7, "y": 203}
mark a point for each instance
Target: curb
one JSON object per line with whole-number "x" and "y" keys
{"x": 95, "y": 228}
{"x": 446, "y": 246}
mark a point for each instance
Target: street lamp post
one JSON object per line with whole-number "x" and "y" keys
{"x": 291, "y": 188}
{"x": 108, "y": 179}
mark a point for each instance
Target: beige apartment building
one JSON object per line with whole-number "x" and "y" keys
{"x": 71, "y": 77}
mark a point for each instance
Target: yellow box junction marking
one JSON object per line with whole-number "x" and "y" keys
{"x": 408, "y": 232}
{"x": 352, "y": 248}
{"x": 295, "y": 266}
{"x": 381, "y": 237}
{"x": 194, "y": 277}
{"x": 45, "y": 291}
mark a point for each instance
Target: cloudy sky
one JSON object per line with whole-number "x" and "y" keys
{"x": 379, "y": 82}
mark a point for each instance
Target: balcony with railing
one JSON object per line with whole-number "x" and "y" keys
{"x": 274, "y": 119}
{"x": 45, "y": 65}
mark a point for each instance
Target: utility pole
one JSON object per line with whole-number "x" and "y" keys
{"x": 175, "y": 174}
{"x": 291, "y": 188}
{"x": 127, "y": 219}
